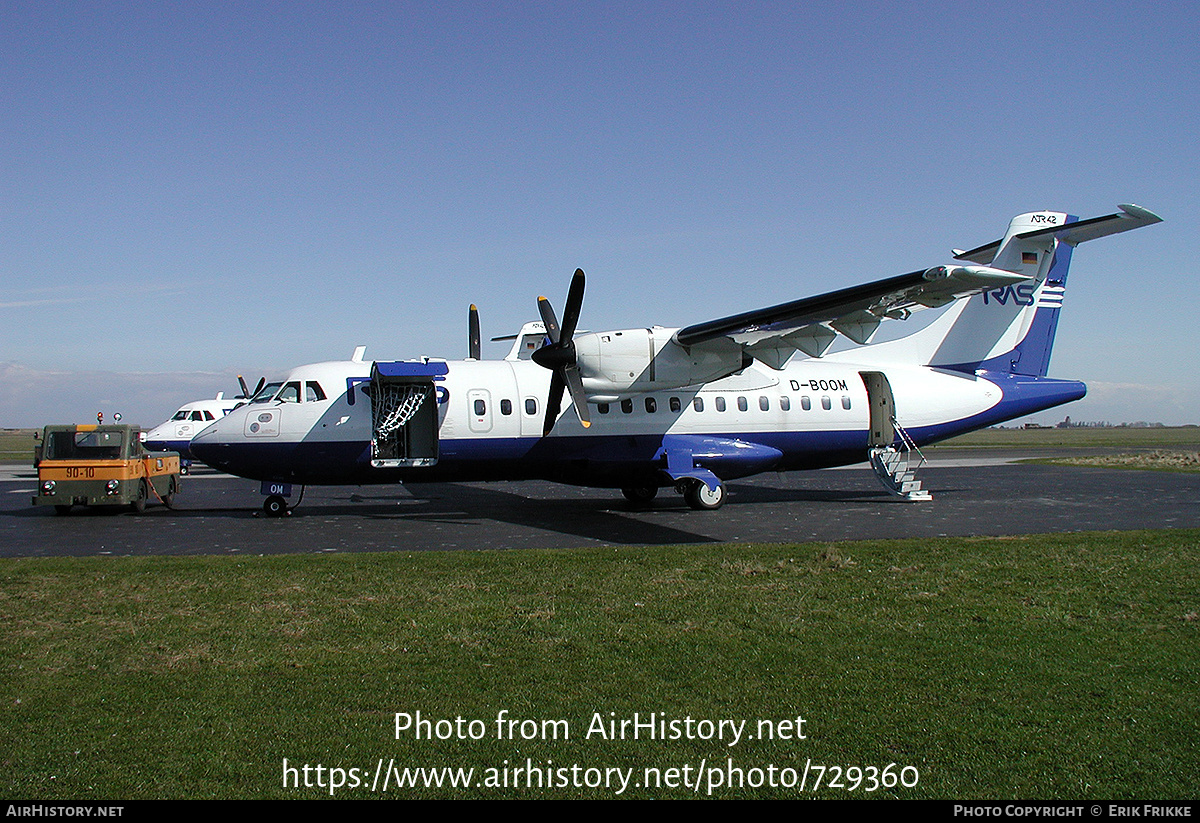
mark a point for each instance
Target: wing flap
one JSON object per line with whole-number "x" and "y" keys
{"x": 811, "y": 324}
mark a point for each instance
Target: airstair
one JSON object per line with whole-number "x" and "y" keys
{"x": 896, "y": 466}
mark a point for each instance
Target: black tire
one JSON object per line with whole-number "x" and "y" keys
{"x": 139, "y": 505}
{"x": 641, "y": 495}
{"x": 699, "y": 496}
{"x": 275, "y": 506}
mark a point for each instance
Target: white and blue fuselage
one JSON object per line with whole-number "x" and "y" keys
{"x": 810, "y": 414}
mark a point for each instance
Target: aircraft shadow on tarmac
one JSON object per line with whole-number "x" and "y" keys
{"x": 597, "y": 515}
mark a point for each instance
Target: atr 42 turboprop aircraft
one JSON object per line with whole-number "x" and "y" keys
{"x": 689, "y": 408}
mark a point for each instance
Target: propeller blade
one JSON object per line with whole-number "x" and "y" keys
{"x": 578, "y": 396}
{"x": 262, "y": 381}
{"x": 245, "y": 391}
{"x": 474, "y": 346}
{"x": 553, "y": 402}
{"x": 573, "y": 306}
{"x": 549, "y": 320}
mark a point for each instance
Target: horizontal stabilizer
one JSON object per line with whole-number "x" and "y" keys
{"x": 1130, "y": 217}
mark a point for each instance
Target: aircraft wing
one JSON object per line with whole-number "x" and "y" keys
{"x": 810, "y": 325}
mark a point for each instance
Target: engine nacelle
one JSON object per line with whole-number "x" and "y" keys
{"x": 616, "y": 364}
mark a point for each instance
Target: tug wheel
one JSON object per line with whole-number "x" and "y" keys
{"x": 139, "y": 505}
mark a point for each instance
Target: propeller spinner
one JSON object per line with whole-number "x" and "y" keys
{"x": 559, "y": 355}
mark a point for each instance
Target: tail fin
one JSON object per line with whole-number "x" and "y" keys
{"x": 1011, "y": 329}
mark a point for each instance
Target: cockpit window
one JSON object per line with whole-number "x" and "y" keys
{"x": 182, "y": 414}
{"x": 290, "y": 393}
{"x": 266, "y": 393}
{"x": 313, "y": 392}
{"x": 196, "y": 415}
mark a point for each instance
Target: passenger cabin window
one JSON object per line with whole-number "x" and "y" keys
{"x": 675, "y": 404}
{"x": 627, "y": 406}
{"x": 785, "y": 403}
{"x": 480, "y": 407}
{"x": 506, "y": 407}
{"x": 806, "y": 403}
{"x": 742, "y": 404}
{"x": 651, "y": 405}
{"x": 530, "y": 406}
{"x": 764, "y": 403}
{"x": 720, "y": 403}
{"x": 602, "y": 408}
{"x": 845, "y": 401}
{"x": 313, "y": 392}
{"x": 826, "y": 403}
{"x": 698, "y": 404}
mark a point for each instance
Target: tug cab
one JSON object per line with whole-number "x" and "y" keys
{"x": 98, "y": 465}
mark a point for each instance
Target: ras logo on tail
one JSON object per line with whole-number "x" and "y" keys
{"x": 692, "y": 408}
{"x": 1021, "y": 294}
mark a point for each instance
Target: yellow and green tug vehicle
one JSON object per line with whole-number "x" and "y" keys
{"x": 102, "y": 465}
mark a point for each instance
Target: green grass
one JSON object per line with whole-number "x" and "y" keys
{"x": 1027, "y": 667}
{"x": 16, "y": 445}
{"x": 1179, "y": 437}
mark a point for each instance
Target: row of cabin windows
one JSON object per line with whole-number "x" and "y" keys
{"x": 506, "y": 407}
{"x": 720, "y": 404}
{"x": 673, "y": 403}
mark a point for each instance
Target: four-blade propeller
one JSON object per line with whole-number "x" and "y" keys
{"x": 559, "y": 355}
{"x": 246, "y": 393}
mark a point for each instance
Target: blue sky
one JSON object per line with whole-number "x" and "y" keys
{"x": 193, "y": 190}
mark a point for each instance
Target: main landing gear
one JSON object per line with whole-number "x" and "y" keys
{"x": 695, "y": 492}
{"x": 699, "y": 496}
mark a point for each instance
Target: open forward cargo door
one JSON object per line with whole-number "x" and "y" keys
{"x": 404, "y": 414}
